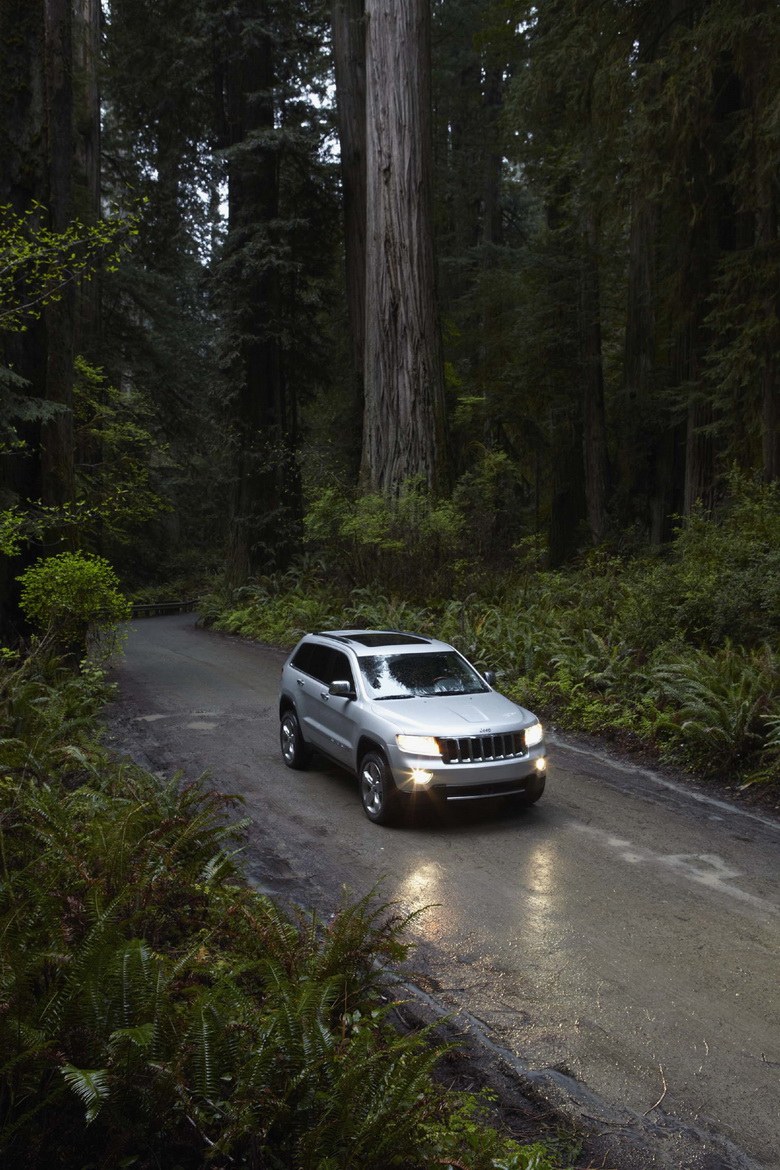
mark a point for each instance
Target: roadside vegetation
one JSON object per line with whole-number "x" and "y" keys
{"x": 157, "y": 1011}
{"x": 674, "y": 652}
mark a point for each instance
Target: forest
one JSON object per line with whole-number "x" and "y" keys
{"x": 450, "y": 315}
{"x": 471, "y": 304}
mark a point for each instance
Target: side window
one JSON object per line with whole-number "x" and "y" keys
{"x": 323, "y": 663}
{"x": 302, "y": 658}
{"x": 339, "y": 668}
{"x": 313, "y": 659}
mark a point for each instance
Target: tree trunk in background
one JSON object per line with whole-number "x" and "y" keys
{"x": 403, "y": 429}
{"x": 59, "y": 317}
{"x": 594, "y": 423}
{"x": 652, "y": 450}
{"x": 265, "y": 475}
{"x": 86, "y": 188}
{"x": 349, "y": 55}
{"x": 766, "y": 241}
{"x": 36, "y": 164}
{"x": 493, "y": 104}
{"x": 637, "y": 427}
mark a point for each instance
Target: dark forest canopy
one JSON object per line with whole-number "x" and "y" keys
{"x": 538, "y": 280}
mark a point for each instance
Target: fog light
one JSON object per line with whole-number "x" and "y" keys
{"x": 421, "y": 777}
{"x": 541, "y": 764}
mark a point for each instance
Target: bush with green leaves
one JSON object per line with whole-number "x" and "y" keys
{"x": 72, "y": 594}
{"x": 47, "y": 715}
{"x": 716, "y": 707}
{"x": 412, "y": 541}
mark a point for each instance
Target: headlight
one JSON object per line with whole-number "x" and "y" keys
{"x": 533, "y": 735}
{"x": 419, "y": 745}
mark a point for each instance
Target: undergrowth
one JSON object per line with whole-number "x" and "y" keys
{"x": 676, "y": 652}
{"x": 158, "y": 1012}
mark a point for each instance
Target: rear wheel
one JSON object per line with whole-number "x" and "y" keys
{"x": 377, "y": 791}
{"x": 295, "y": 753}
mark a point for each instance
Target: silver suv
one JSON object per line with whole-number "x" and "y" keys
{"x": 407, "y": 715}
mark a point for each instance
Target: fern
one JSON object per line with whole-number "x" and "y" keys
{"x": 90, "y": 1085}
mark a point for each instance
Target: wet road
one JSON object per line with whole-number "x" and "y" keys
{"x": 626, "y": 930}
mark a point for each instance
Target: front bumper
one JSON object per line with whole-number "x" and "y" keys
{"x": 469, "y": 781}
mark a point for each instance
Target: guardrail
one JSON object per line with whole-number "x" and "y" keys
{"x": 155, "y": 608}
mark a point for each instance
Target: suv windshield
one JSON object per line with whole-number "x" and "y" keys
{"x": 407, "y": 676}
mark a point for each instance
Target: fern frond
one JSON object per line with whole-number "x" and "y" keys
{"x": 90, "y": 1085}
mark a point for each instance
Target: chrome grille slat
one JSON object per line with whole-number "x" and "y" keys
{"x": 475, "y": 749}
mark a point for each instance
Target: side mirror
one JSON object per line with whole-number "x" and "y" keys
{"x": 341, "y": 688}
{"x": 489, "y": 677}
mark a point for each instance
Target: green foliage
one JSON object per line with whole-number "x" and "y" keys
{"x": 116, "y": 450}
{"x": 37, "y": 263}
{"x": 159, "y": 1012}
{"x": 719, "y": 706}
{"x": 16, "y": 407}
{"x": 411, "y": 540}
{"x": 47, "y": 715}
{"x": 71, "y": 593}
{"x": 12, "y": 531}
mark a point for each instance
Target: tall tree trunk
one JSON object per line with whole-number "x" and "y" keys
{"x": 403, "y": 430}
{"x": 265, "y": 475}
{"x": 637, "y": 428}
{"x": 57, "y": 438}
{"x": 36, "y": 165}
{"x": 766, "y": 240}
{"x": 594, "y": 423}
{"x": 349, "y": 55}
{"x": 493, "y": 104}
{"x": 86, "y": 62}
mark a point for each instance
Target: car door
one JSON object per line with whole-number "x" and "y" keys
{"x": 309, "y": 668}
{"x": 332, "y": 724}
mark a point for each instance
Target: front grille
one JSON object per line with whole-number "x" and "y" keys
{"x": 473, "y": 749}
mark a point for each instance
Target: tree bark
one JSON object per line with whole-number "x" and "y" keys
{"x": 349, "y": 56}
{"x": 594, "y": 424}
{"x": 766, "y": 240}
{"x": 403, "y": 430}
{"x": 59, "y": 317}
{"x": 86, "y": 188}
{"x": 265, "y": 493}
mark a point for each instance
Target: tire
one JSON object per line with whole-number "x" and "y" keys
{"x": 295, "y": 753}
{"x": 377, "y": 791}
{"x": 529, "y": 797}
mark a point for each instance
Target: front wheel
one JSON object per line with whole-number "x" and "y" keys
{"x": 295, "y": 753}
{"x": 377, "y": 790}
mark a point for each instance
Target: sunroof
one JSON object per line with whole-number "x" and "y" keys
{"x": 387, "y": 638}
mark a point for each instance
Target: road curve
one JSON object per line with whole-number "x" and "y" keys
{"x": 625, "y": 931}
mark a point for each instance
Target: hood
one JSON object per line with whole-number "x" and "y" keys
{"x": 454, "y": 715}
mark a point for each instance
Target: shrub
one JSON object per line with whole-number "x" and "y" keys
{"x": 716, "y": 707}
{"x": 70, "y": 594}
{"x": 409, "y": 543}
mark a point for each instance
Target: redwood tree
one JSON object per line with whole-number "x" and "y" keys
{"x": 403, "y": 428}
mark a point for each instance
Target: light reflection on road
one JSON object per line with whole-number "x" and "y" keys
{"x": 424, "y": 889}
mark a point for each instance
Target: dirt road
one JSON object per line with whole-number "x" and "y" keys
{"x": 625, "y": 932}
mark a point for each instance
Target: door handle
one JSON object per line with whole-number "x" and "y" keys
{"x": 300, "y": 682}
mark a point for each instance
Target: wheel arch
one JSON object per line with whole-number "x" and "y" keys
{"x": 367, "y": 743}
{"x": 286, "y": 704}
